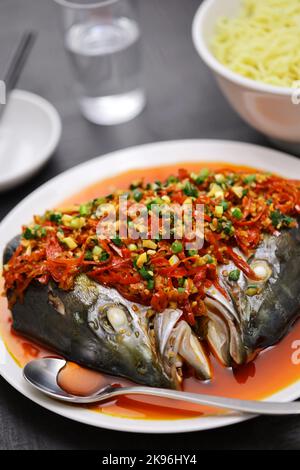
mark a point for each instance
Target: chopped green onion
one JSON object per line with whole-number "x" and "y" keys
{"x": 88, "y": 255}
{"x": 55, "y": 217}
{"x": 228, "y": 228}
{"x": 172, "y": 179}
{"x": 117, "y": 241}
{"x": 137, "y": 195}
{"x": 234, "y": 275}
{"x": 192, "y": 252}
{"x": 208, "y": 259}
{"x": 145, "y": 274}
{"x": 150, "y": 284}
{"x": 190, "y": 190}
{"x": 28, "y": 234}
{"x": 202, "y": 176}
{"x": 43, "y": 232}
{"x": 135, "y": 184}
{"x": 237, "y": 213}
{"x": 250, "y": 179}
{"x": 225, "y": 205}
{"x": 104, "y": 256}
{"x": 279, "y": 219}
{"x": 177, "y": 247}
{"x": 36, "y": 232}
{"x": 84, "y": 210}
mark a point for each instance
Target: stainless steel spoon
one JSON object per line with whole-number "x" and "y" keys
{"x": 42, "y": 374}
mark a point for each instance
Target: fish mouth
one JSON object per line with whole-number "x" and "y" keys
{"x": 224, "y": 334}
{"x": 228, "y": 319}
{"x": 178, "y": 346}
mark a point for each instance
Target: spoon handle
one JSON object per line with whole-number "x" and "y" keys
{"x": 245, "y": 406}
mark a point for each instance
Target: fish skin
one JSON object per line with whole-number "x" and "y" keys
{"x": 11, "y": 248}
{"x": 266, "y": 318}
{"x": 280, "y": 306}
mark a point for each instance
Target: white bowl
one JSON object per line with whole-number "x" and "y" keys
{"x": 267, "y": 108}
{"x": 30, "y": 130}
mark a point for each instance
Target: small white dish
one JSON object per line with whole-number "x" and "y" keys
{"x": 30, "y": 130}
{"x": 142, "y": 157}
{"x": 270, "y": 109}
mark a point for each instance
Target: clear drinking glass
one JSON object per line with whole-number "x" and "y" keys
{"x": 103, "y": 41}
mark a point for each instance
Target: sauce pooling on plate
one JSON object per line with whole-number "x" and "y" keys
{"x": 271, "y": 371}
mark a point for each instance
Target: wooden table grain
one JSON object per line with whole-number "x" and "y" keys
{"x": 183, "y": 102}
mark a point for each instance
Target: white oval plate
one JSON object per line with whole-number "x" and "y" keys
{"x": 64, "y": 185}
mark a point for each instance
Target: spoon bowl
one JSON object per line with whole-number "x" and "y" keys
{"x": 42, "y": 374}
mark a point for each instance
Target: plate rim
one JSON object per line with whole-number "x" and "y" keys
{"x": 187, "y": 146}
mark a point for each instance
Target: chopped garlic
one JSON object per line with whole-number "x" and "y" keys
{"x": 238, "y": 191}
{"x": 67, "y": 219}
{"x": 132, "y": 247}
{"x": 151, "y": 252}
{"x": 77, "y": 222}
{"x": 174, "y": 260}
{"x": 166, "y": 199}
{"x": 219, "y": 211}
{"x": 216, "y": 191}
{"x": 149, "y": 244}
{"x": 188, "y": 201}
{"x": 142, "y": 259}
{"x": 70, "y": 242}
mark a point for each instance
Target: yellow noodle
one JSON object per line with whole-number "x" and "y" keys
{"x": 262, "y": 42}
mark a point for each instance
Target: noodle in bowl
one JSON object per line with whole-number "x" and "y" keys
{"x": 271, "y": 109}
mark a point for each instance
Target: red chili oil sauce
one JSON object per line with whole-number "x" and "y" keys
{"x": 273, "y": 370}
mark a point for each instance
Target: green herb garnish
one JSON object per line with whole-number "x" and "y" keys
{"x": 150, "y": 284}
{"x": 190, "y": 190}
{"x": 117, "y": 241}
{"x": 137, "y": 195}
{"x": 55, "y": 217}
{"x": 145, "y": 274}
{"x": 104, "y": 256}
{"x": 234, "y": 275}
{"x": 250, "y": 179}
{"x": 237, "y": 213}
{"x": 177, "y": 247}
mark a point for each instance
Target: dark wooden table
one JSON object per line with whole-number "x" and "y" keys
{"x": 183, "y": 102}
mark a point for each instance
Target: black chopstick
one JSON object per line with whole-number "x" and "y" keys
{"x": 17, "y": 63}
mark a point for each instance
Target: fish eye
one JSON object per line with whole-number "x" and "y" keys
{"x": 262, "y": 269}
{"x": 114, "y": 318}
